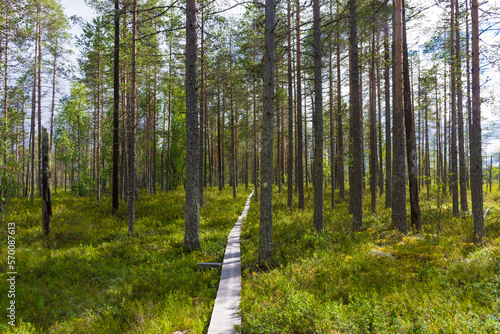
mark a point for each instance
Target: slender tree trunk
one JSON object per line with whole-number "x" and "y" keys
{"x": 290, "y": 110}
{"x": 266, "y": 198}
{"x": 318, "y": 123}
{"x": 476, "y": 170}
{"x": 116, "y": 107}
{"x": 132, "y": 174}
{"x": 460, "y": 116}
{"x": 373, "y": 130}
{"x": 355, "y": 131}
{"x": 169, "y": 135}
{"x": 398, "y": 175}
{"x": 46, "y": 194}
{"x": 202, "y": 102}
{"x": 39, "y": 101}
{"x": 233, "y": 154}
{"x": 340, "y": 127}
{"x": 411, "y": 146}
{"x": 33, "y": 117}
{"x": 453, "y": 142}
{"x": 255, "y": 164}
{"x": 98, "y": 138}
{"x": 192, "y": 219}
{"x": 332, "y": 129}
{"x": 300, "y": 165}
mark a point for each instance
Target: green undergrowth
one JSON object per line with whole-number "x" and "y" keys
{"x": 91, "y": 276}
{"x": 374, "y": 281}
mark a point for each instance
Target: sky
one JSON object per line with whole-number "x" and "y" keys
{"x": 415, "y": 38}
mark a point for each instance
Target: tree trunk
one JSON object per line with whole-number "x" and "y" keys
{"x": 116, "y": 108}
{"x": 373, "y": 130}
{"x": 453, "y": 142}
{"x": 202, "y": 102}
{"x": 46, "y": 194}
{"x": 33, "y": 117}
{"x": 340, "y": 127}
{"x": 460, "y": 116}
{"x": 39, "y": 101}
{"x": 476, "y": 170}
{"x": 266, "y": 197}
{"x": 192, "y": 218}
{"x": 233, "y": 147}
{"x": 300, "y": 164}
{"x": 290, "y": 110}
{"x": 318, "y": 123}
{"x": 332, "y": 129}
{"x": 132, "y": 170}
{"x": 411, "y": 146}
{"x": 355, "y": 131}
{"x": 98, "y": 139}
{"x": 398, "y": 175}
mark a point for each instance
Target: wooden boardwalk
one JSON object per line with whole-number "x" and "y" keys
{"x": 225, "y": 314}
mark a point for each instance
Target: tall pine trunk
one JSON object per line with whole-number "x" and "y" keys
{"x": 318, "y": 122}
{"x": 476, "y": 170}
{"x": 116, "y": 108}
{"x": 192, "y": 218}
{"x": 411, "y": 145}
{"x": 355, "y": 131}
{"x": 266, "y": 197}
{"x": 398, "y": 168}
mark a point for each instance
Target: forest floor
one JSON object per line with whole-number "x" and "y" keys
{"x": 374, "y": 281}
{"x": 90, "y": 276}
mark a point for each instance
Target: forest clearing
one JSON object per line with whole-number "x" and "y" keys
{"x": 365, "y": 135}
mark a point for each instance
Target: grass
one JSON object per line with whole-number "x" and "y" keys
{"x": 374, "y": 281}
{"x": 91, "y": 276}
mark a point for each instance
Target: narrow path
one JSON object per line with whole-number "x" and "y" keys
{"x": 227, "y": 303}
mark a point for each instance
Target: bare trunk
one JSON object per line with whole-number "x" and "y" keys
{"x": 266, "y": 198}
{"x": 355, "y": 130}
{"x": 318, "y": 123}
{"x": 192, "y": 218}
{"x": 398, "y": 176}
{"x": 300, "y": 165}
{"x": 476, "y": 172}
{"x": 290, "y": 110}
{"x": 46, "y": 194}
{"x": 460, "y": 116}
{"x": 411, "y": 146}
{"x": 116, "y": 107}
{"x": 132, "y": 169}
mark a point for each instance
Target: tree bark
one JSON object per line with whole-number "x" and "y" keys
{"x": 192, "y": 218}
{"x": 411, "y": 146}
{"x": 116, "y": 108}
{"x": 132, "y": 170}
{"x": 373, "y": 130}
{"x": 332, "y": 128}
{"x": 460, "y": 116}
{"x": 46, "y": 194}
{"x": 300, "y": 151}
{"x": 355, "y": 131}
{"x": 266, "y": 197}
{"x": 318, "y": 123}
{"x": 453, "y": 141}
{"x": 476, "y": 170}
{"x": 340, "y": 127}
{"x": 290, "y": 110}
{"x": 398, "y": 175}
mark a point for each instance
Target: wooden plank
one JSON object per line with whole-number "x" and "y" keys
{"x": 225, "y": 314}
{"x": 209, "y": 265}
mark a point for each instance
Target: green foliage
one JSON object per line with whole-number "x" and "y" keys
{"x": 91, "y": 276}
{"x": 374, "y": 281}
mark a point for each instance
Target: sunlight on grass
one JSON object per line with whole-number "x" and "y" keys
{"x": 372, "y": 281}
{"x": 91, "y": 276}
